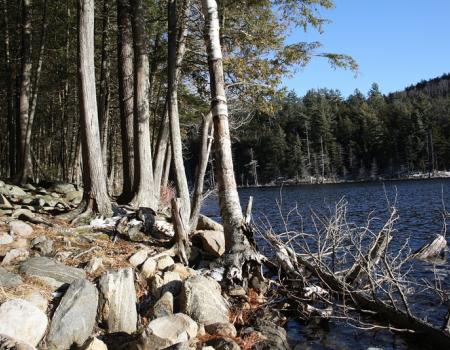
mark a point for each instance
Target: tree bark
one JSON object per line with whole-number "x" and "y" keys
{"x": 25, "y": 166}
{"x": 103, "y": 106}
{"x": 238, "y": 251}
{"x": 174, "y": 121}
{"x": 144, "y": 189}
{"x": 95, "y": 193}
{"x": 126, "y": 83}
{"x": 205, "y": 150}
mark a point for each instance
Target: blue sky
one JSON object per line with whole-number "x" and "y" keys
{"x": 395, "y": 42}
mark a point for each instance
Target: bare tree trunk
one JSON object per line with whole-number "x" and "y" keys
{"x": 166, "y": 168}
{"x": 95, "y": 197}
{"x": 163, "y": 135}
{"x": 126, "y": 83}
{"x": 175, "y": 134}
{"x": 25, "y": 166}
{"x": 205, "y": 149}
{"x": 9, "y": 94}
{"x": 238, "y": 250}
{"x": 103, "y": 106}
{"x": 144, "y": 189}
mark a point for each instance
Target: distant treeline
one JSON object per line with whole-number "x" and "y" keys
{"x": 360, "y": 137}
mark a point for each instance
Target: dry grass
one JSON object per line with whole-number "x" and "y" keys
{"x": 29, "y": 285}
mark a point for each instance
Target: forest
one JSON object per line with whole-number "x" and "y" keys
{"x": 326, "y": 136}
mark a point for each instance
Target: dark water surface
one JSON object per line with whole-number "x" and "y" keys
{"x": 420, "y": 206}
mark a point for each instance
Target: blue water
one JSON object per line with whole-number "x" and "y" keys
{"x": 420, "y": 205}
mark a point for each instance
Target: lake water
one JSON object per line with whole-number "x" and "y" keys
{"x": 420, "y": 205}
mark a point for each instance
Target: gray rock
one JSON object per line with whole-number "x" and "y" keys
{"x": 275, "y": 337}
{"x": 6, "y": 239}
{"x": 223, "y": 344}
{"x": 4, "y": 203}
{"x": 201, "y": 299}
{"x": 94, "y": 264}
{"x": 9, "y": 279}
{"x": 169, "y": 330}
{"x": 149, "y": 268}
{"x": 205, "y": 223}
{"x": 74, "y": 319}
{"x": 164, "y": 306}
{"x": 223, "y": 329}
{"x": 9, "y": 343}
{"x": 11, "y": 190}
{"x": 37, "y": 299}
{"x": 15, "y": 255}
{"x": 118, "y": 300}
{"x": 23, "y": 321}
{"x": 20, "y": 228}
{"x": 164, "y": 262}
{"x": 61, "y": 187}
{"x": 168, "y": 281}
{"x": 74, "y": 196}
{"x": 43, "y": 245}
{"x": 139, "y": 257}
{"x": 213, "y": 242}
{"x": 51, "y": 271}
{"x": 94, "y": 344}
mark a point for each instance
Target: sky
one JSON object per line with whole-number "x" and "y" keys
{"x": 396, "y": 43}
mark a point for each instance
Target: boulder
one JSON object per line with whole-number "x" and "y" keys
{"x": 7, "y": 343}
{"x": 62, "y": 187}
{"x": 272, "y": 336}
{"x": 37, "y": 299}
{"x": 11, "y": 190}
{"x": 169, "y": 330}
{"x": 167, "y": 281}
{"x": 23, "y": 321}
{"x": 224, "y": 329}
{"x": 224, "y": 343}
{"x": 43, "y": 245}
{"x": 138, "y": 258}
{"x": 74, "y": 319}
{"x": 118, "y": 300}
{"x": 4, "y": 203}
{"x": 94, "y": 344}
{"x": 74, "y": 196}
{"x": 15, "y": 255}
{"x": 213, "y": 242}
{"x": 164, "y": 306}
{"x": 148, "y": 270}
{"x": 20, "y": 228}
{"x": 205, "y": 223}
{"x": 9, "y": 279}
{"x": 6, "y": 239}
{"x": 201, "y": 299}
{"x": 50, "y": 271}
{"x": 164, "y": 262}
{"x": 183, "y": 271}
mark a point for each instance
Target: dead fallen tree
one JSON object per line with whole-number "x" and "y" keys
{"x": 359, "y": 272}
{"x": 434, "y": 248}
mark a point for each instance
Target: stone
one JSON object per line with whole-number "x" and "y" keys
{"x": 20, "y": 228}
{"x": 20, "y": 243}
{"x": 74, "y": 319}
{"x": 164, "y": 262}
{"x": 168, "y": 281}
{"x": 201, "y": 299}
{"x": 11, "y": 190}
{"x": 61, "y": 187}
{"x": 94, "y": 344}
{"x": 138, "y": 258}
{"x": 213, "y": 242}
{"x": 7, "y": 343}
{"x": 4, "y": 203}
{"x": 183, "y": 271}
{"x": 74, "y": 196}
{"x": 37, "y": 299}
{"x": 15, "y": 255}
{"x": 147, "y": 216}
{"x": 50, "y": 271}
{"x": 43, "y": 245}
{"x": 9, "y": 279}
{"x": 118, "y": 300}
{"x": 164, "y": 306}
{"x": 274, "y": 337}
{"x": 94, "y": 265}
{"x": 205, "y": 223}
{"x": 23, "y": 321}
{"x": 29, "y": 187}
{"x": 224, "y": 344}
{"x": 224, "y": 329}
{"x": 6, "y": 239}
{"x": 169, "y": 330}
{"x": 148, "y": 270}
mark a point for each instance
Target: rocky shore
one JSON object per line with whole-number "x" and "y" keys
{"x": 111, "y": 284}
